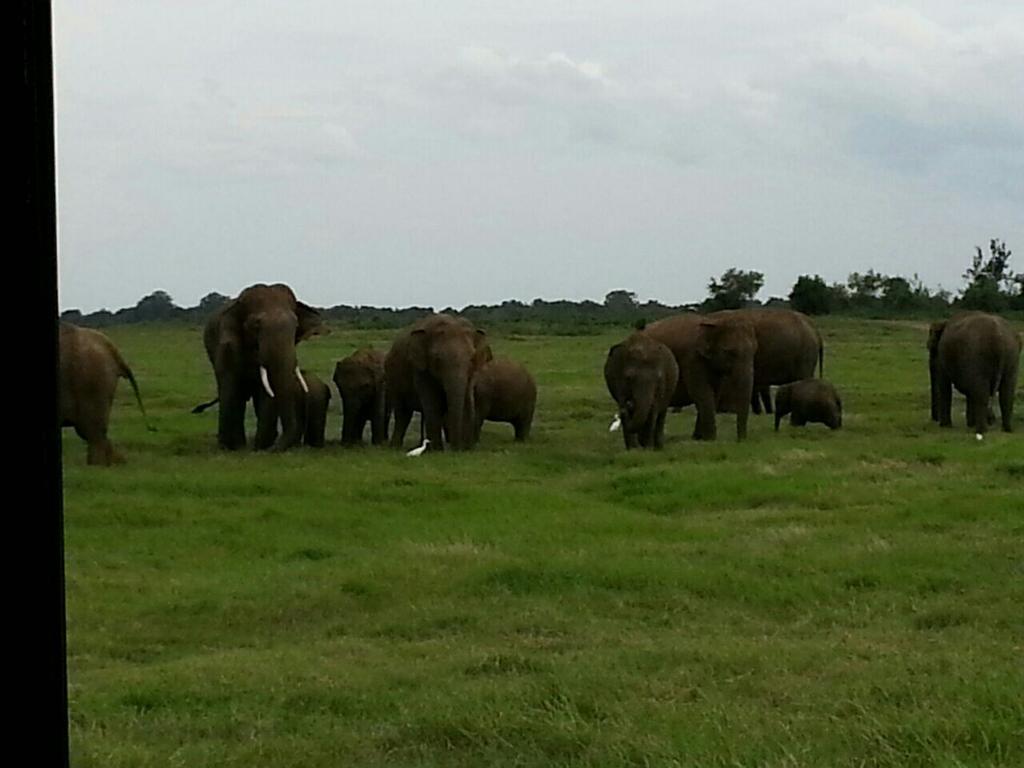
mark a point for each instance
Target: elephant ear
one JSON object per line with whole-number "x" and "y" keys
{"x": 613, "y": 347}
{"x": 418, "y": 339}
{"x": 339, "y": 365}
{"x": 310, "y": 323}
{"x": 483, "y": 353}
{"x": 233, "y": 310}
{"x": 935, "y": 331}
{"x": 707, "y": 333}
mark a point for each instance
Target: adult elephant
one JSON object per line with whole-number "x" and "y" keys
{"x": 788, "y": 349}
{"x": 251, "y": 343}
{"x": 90, "y": 366}
{"x": 360, "y": 382}
{"x": 979, "y": 354}
{"x": 431, "y": 368}
{"x": 715, "y": 354}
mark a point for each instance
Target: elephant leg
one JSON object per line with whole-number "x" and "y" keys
{"x": 434, "y": 416}
{"x": 649, "y": 430}
{"x": 266, "y": 422}
{"x": 99, "y": 450}
{"x": 630, "y": 439}
{"x": 102, "y": 453}
{"x": 434, "y": 425}
{"x": 403, "y": 415}
{"x": 944, "y": 386}
{"x": 659, "y": 431}
{"x": 230, "y": 415}
{"x": 742, "y": 417}
{"x": 704, "y": 428}
{"x": 766, "y": 396}
{"x": 755, "y": 402}
{"x": 379, "y": 420}
{"x": 316, "y": 426}
{"x": 1006, "y": 395}
{"x": 977, "y": 411}
{"x": 522, "y": 428}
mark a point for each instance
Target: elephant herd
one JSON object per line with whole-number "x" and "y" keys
{"x": 443, "y": 368}
{"x": 723, "y": 362}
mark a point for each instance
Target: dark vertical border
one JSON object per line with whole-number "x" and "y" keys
{"x": 45, "y": 570}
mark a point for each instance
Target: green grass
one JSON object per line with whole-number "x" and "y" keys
{"x": 805, "y": 598}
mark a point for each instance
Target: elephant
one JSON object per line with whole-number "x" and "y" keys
{"x": 312, "y": 408}
{"x": 250, "y": 343}
{"x": 715, "y": 354}
{"x": 642, "y": 375}
{"x": 809, "y": 400}
{"x": 505, "y": 391}
{"x": 89, "y": 368}
{"x": 430, "y": 368}
{"x": 360, "y": 382}
{"x": 788, "y": 348}
{"x": 979, "y": 354}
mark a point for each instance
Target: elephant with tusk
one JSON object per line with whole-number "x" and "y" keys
{"x": 251, "y": 344}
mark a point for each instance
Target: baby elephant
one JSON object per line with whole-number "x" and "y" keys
{"x": 503, "y": 390}
{"x": 314, "y": 406}
{"x": 641, "y": 375}
{"x": 809, "y": 400}
{"x": 360, "y": 382}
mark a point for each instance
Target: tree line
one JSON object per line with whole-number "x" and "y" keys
{"x": 990, "y": 285}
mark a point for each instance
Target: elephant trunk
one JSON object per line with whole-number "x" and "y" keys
{"x": 460, "y": 409}
{"x": 638, "y": 407}
{"x": 379, "y": 424}
{"x": 282, "y": 379}
{"x": 742, "y": 388}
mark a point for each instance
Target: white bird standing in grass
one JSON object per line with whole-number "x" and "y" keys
{"x": 421, "y": 449}
{"x": 616, "y": 423}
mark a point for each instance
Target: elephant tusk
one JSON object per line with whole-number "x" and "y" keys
{"x": 266, "y": 381}
{"x": 302, "y": 381}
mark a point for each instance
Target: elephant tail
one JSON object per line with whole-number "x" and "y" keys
{"x": 203, "y": 406}
{"x": 126, "y": 373}
{"x": 821, "y": 358}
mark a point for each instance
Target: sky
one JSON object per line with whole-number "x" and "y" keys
{"x": 457, "y": 152}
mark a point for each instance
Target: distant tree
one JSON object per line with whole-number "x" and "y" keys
{"x": 211, "y": 302}
{"x": 735, "y": 288}
{"x": 897, "y": 294}
{"x": 621, "y": 301}
{"x": 156, "y": 306}
{"x": 71, "y": 315}
{"x": 865, "y": 289}
{"x": 991, "y": 285}
{"x": 811, "y": 295}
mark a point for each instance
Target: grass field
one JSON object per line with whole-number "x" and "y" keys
{"x": 806, "y": 598}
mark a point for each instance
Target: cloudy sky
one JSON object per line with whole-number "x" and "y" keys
{"x": 456, "y": 152}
